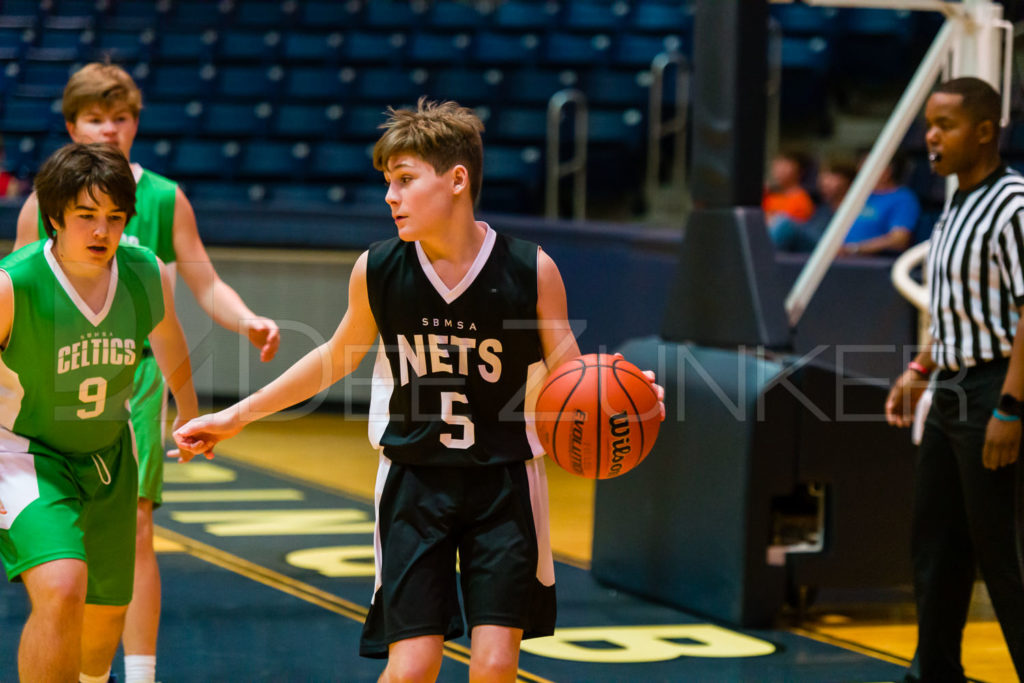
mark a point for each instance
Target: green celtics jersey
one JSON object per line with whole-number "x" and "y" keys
{"x": 66, "y": 373}
{"x": 152, "y": 226}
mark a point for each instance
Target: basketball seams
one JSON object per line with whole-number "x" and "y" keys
{"x": 636, "y": 412}
{"x": 600, "y": 427}
{"x": 558, "y": 418}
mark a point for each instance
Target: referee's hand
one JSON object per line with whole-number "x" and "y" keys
{"x": 1002, "y": 443}
{"x": 903, "y": 397}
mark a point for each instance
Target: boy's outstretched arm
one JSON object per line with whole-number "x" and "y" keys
{"x": 311, "y": 374}
{"x": 170, "y": 350}
{"x": 220, "y": 301}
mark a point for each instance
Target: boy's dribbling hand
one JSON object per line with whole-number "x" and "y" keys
{"x": 659, "y": 391}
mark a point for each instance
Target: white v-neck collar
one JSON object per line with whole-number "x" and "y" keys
{"x": 137, "y": 171}
{"x": 450, "y": 295}
{"x": 94, "y": 317}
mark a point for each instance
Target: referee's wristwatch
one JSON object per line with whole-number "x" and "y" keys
{"x": 1010, "y": 406}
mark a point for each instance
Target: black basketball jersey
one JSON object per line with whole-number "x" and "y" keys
{"x": 450, "y": 380}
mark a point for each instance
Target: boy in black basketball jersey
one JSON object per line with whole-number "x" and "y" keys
{"x": 469, "y": 322}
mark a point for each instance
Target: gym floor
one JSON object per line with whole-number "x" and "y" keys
{"x": 267, "y": 562}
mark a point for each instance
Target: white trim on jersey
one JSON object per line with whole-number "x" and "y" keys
{"x": 383, "y": 467}
{"x": 537, "y": 477}
{"x": 450, "y": 295}
{"x": 94, "y": 317}
{"x": 382, "y": 386}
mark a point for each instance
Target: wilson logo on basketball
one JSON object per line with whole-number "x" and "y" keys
{"x": 619, "y": 427}
{"x": 576, "y": 441}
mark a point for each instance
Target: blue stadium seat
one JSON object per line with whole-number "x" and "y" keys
{"x": 591, "y": 16}
{"x": 466, "y": 86}
{"x": 50, "y": 144}
{"x": 169, "y": 118}
{"x": 214, "y": 191}
{"x": 369, "y": 194}
{"x": 361, "y": 122}
{"x": 581, "y": 50}
{"x": 374, "y": 47}
{"x": 198, "y": 14}
{"x": 186, "y": 46}
{"x": 307, "y": 194}
{"x": 239, "y": 120}
{"x": 506, "y": 48}
{"x": 23, "y": 8}
{"x": 21, "y": 155}
{"x": 250, "y": 82}
{"x": 616, "y": 127}
{"x": 309, "y": 121}
{"x": 264, "y": 14}
{"x": 134, "y": 14}
{"x": 439, "y": 48}
{"x": 512, "y": 164}
{"x": 802, "y": 20}
{"x": 617, "y": 86}
{"x": 339, "y": 160}
{"x": 455, "y": 14}
{"x": 302, "y": 46}
{"x": 273, "y": 159}
{"x": 537, "y": 85}
{"x": 393, "y": 85}
{"x": 518, "y": 124}
{"x": 877, "y": 22}
{"x": 805, "y": 53}
{"x": 327, "y": 14}
{"x": 180, "y": 82}
{"x": 154, "y": 154}
{"x": 203, "y": 158}
{"x": 82, "y": 9}
{"x": 635, "y": 49}
{"x": 123, "y": 46}
{"x": 43, "y": 79}
{"x": 321, "y": 83}
{"x": 14, "y": 38}
{"x": 249, "y": 46}
{"x": 392, "y": 14}
{"x": 526, "y": 15}
{"x": 656, "y": 16}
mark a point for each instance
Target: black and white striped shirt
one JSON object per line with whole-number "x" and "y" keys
{"x": 974, "y": 272}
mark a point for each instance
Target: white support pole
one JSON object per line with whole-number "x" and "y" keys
{"x": 895, "y": 128}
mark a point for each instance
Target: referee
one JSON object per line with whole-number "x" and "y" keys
{"x": 966, "y": 467}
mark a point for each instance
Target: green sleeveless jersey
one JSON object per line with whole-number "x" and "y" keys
{"x": 152, "y": 226}
{"x": 66, "y": 373}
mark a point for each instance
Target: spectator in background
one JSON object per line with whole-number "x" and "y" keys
{"x": 887, "y": 221}
{"x": 834, "y": 179}
{"x": 785, "y": 196}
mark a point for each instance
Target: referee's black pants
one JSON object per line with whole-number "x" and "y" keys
{"x": 963, "y": 518}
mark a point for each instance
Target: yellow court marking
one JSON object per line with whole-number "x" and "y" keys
{"x": 299, "y": 589}
{"x": 232, "y": 495}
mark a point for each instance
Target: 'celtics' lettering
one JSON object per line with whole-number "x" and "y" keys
{"x": 441, "y": 353}
{"x": 99, "y": 351}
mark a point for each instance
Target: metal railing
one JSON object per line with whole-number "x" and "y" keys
{"x": 659, "y": 128}
{"x": 576, "y": 166}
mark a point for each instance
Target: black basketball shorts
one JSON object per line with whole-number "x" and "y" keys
{"x": 495, "y": 518}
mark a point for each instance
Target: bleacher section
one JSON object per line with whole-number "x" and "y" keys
{"x": 279, "y": 100}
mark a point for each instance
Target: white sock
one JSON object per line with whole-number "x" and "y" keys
{"x": 86, "y": 678}
{"x": 140, "y": 668}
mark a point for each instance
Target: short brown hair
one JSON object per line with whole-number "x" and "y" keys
{"x": 98, "y": 83}
{"x": 77, "y": 167}
{"x": 441, "y": 133}
{"x": 979, "y": 99}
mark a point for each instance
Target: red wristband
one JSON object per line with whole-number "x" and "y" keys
{"x": 918, "y": 368}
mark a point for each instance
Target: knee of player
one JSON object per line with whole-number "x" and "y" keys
{"x": 58, "y": 592}
{"x": 493, "y": 664}
{"x": 412, "y": 669}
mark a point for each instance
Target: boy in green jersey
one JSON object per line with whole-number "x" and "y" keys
{"x": 75, "y": 313}
{"x": 101, "y": 103}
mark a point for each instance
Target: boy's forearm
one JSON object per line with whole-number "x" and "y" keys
{"x": 310, "y": 375}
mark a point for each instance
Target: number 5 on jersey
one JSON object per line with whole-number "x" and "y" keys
{"x": 448, "y": 398}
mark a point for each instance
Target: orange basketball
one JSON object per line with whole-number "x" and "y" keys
{"x": 597, "y": 416}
